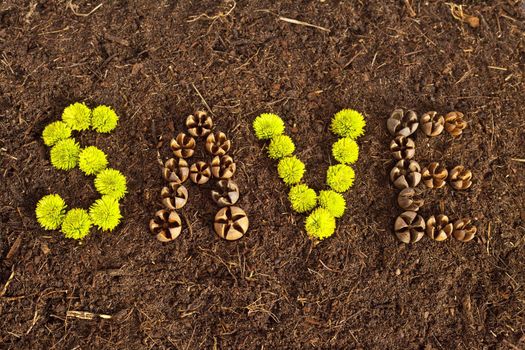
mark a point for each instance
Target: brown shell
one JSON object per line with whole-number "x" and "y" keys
{"x": 174, "y": 196}
{"x": 464, "y": 230}
{"x": 231, "y": 223}
{"x": 406, "y": 173}
{"x": 454, "y": 123}
{"x": 217, "y": 144}
{"x": 183, "y": 146}
{"x": 200, "y": 173}
{"x": 460, "y": 178}
{"x": 409, "y": 227}
{"x": 166, "y": 225}
{"x": 401, "y": 123}
{"x": 402, "y": 148}
{"x": 223, "y": 167}
{"x": 410, "y": 199}
{"x": 176, "y": 171}
{"x": 432, "y": 123}
{"x": 439, "y": 228}
{"x": 434, "y": 175}
{"x": 226, "y": 193}
{"x": 199, "y": 124}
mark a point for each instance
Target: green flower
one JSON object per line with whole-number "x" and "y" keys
{"x": 111, "y": 182}
{"x": 348, "y": 123}
{"x": 302, "y": 198}
{"x": 77, "y": 116}
{"x": 291, "y": 170}
{"x": 92, "y": 160}
{"x": 280, "y": 146}
{"x": 345, "y": 150}
{"x": 320, "y": 224}
{"x": 333, "y": 202}
{"x": 105, "y": 213}
{"x": 104, "y": 119}
{"x": 340, "y": 177}
{"x": 55, "y": 132}
{"x": 64, "y": 154}
{"x": 267, "y": 126}
{"x": 50, "y": 211}
{"x": 76, "y": 224}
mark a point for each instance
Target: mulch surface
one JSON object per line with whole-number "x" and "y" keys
{"x": 360, "y": 289}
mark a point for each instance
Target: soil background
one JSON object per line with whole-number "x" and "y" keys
{"x": 360, "y": 289}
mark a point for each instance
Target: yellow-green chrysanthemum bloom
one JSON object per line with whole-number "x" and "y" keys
{"x": 105, "y": 213}
{"x": 291, "y": 170}
{"x": 111, "y": 182}
{"x": 280, "y": 146}
{"x": 302, "y": 198}
{"x": 64, "y": 154}
{"x": 340, "y": 177}
{"x": 92, "y": 160}
{"x": 333, "y": 202}
{"x": 348, "y": 123}
{"x": 55, "y": 132}
{"x": 76, "y": 224}
{"x": 77, "y": 116}
{"x": 50, "y": 211}
{"x": 320, "y": 224}
{"x": 104, "y": 119}
{"x": 267, "y": 126}
{"x": 345, "y": 151}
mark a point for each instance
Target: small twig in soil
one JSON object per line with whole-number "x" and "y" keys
{"x": 74, "y": 8}
{"x": 457, "y": 12}
{"x": 202, "y": 98}
{"x": 301, "y": 23}
{"x": 521, "y": 160}
{"x": 212, "y": 18}
{"x": 410, "y": 9}
{"x": 6, "y": 285}
{"x": 188, "y": 223}
{"x": 295, "y": 21}
{"x": 14, "y": 248}
{"x": 85, "y": 315}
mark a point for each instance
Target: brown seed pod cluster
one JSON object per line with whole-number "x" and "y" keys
{"x": 230, "y": 222}
{"x": 454, "y": 123}
{"x": 406, "y": 176}
{"x": 434, "y": 175}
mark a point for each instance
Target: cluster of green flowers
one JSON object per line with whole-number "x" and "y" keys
{"x": 66, "y": 154}
{"x": 321, "y": 223}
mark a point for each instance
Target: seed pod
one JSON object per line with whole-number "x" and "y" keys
{"x": 166, "y": 225}
{"x": 176, "y": 171}
{"x": 454, "y": 123}
{"x": 183, "y": 146}
{"x": 403, "y": 148}
{"x": 200, "y": 173}
{"x": 409, "y": 227}
{"x": 231, "y": 223}
{"x": 226, "y": 193}
{"x": 199, "y": 124}
{"x": 401, "y": 123}
{"x": 460, "y": 178}
{"x": 432, "y": 123}
{"x": 434, "y": 175}
{"x": 464, "y": 230}
{"x": 217, "y": 144}
{"x": 409, "y": 199}
{"x": 406, "y": 173}
{"x": 439, "y": 228}
{"x": 223, "y": 167}
{"x": 174, "y": 196}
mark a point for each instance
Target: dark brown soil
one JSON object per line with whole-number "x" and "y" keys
{"x": 272, "y": 289}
